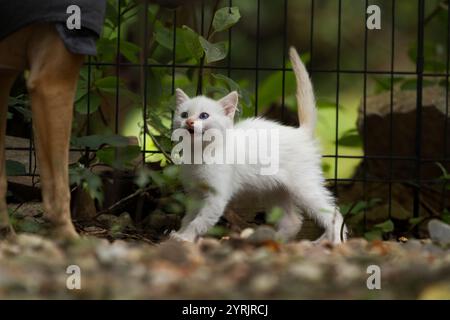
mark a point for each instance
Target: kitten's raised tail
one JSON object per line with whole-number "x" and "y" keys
{"x": 306, "y": 104}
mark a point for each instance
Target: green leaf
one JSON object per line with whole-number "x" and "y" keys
{"x": 274, "y": 216}
{"x": 9, "y": 115}
{"x": 373, "y": 235}
{"x": 158, "y": 178}
{"x": 225, "y": 18}
{"x": 15, "y": 168}
{"x": 446, "y": 216}
{"x": 213, "y": 51}
{"x": 108, "y": 84}
{"x": 434, "y": 56}
{"x": 192, "y": 42}
{"x": 89, "y": 181}
{"x": 412, "y": 84}
{"x": 244, "y": 95}
{"x": 25, "y": 112}
{"x": 445, "y": 174}
{"x": 350, "y": 138}
{"x": 387, "y": 226}
{"x": 384, "y": 83}
{"x": 119, "y": 157}
{"x": 81, "y": 105}
{"x": 415, "y": 221}
{"x": 21, "y": 100}
{"x": 360, "y": 206}
{"x": 232, "y": 85}
{"x": 142, "y": 177}
{"x": 171, "y": 172}
{"x": 95, "y": 141}
{"x": 325, "y": 104}
{"x": 28, "y": 226}
{"x": 130, "y": 51}
{"x": 163, "y": 36}
{"x": 271, "y": 89}
{"x": 218, "y": 231}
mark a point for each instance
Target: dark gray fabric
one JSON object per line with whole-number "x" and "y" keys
{"x": 15, "y": 14}
{"x": 78, "y": 41}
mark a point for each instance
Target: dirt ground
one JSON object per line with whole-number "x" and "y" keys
{"x": 253, "y": 267}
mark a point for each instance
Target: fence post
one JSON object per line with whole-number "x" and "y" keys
{"x": 419, "y": 72}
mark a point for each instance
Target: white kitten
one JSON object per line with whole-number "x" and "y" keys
{"x": 299, "y": 173}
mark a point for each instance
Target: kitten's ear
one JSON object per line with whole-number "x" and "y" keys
{"x": 181, "y": 97}
{"x": 229, "y": 103}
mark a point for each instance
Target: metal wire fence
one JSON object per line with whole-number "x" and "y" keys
{"x": 335, "y": 74}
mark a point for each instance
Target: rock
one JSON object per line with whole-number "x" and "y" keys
{"x": 439, "y": 232}
{"x": 306, "y": 270}
{"x": 246, "y": 233}
{"x": 107, "y": 219}
{"x": 39, "y": 247}
{"x": 262, "y": 234}
{"x": 125, "y": 221}
{"x": 179, "y": 253}
{"x": 439, "y": 291}
{"x": 208, "y": 244}
{"x": 263, "y": 283}
{"x": 112, "y": 253}
{"x": 376, "y": 124}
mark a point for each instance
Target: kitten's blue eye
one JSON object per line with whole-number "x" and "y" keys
{"x": 204, "y": 116}
{"x": 184, "y": 115}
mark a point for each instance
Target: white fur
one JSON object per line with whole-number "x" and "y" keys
{"x": 299, "y": 176}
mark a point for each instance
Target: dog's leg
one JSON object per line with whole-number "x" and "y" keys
{"x": 7, "y": 78}
{"x": 52, "y": 83}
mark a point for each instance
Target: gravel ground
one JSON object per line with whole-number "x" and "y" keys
{"x": 248, "y": 267}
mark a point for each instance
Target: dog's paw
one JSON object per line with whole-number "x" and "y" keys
{"x": 6, "y": 232}
{"x": 64, "y": 234}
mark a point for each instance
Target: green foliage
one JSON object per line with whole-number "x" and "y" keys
{"x": 225, "y": 18}
{"x": 213, "y": 51}
{"x": 96, "y": 141}
{"x": 20, "y": 104}
{"x": 445, "y": 175}
{"x": 119, "y": 157}
{"x": 15, "y": 168}
{"x": 350, "y": 138}
{"x": 218, "y": 232}
{"x": 90, "y": 182}
{"x": 274, "y": 216}
{"x": 446, "y": 216}
{"x": 379, "y": 230}
{"x": 358, "y": 207}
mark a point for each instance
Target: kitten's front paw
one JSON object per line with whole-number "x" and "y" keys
{"x": 181, "y": 236}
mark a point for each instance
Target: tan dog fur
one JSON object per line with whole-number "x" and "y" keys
{"x": 51, "y": 84}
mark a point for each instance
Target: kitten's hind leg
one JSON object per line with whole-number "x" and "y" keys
{"x": 319, "y": 204}
{"x": 291, "y": 222}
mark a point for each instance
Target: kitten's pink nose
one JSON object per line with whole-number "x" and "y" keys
{"x": 190, "y": 123}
